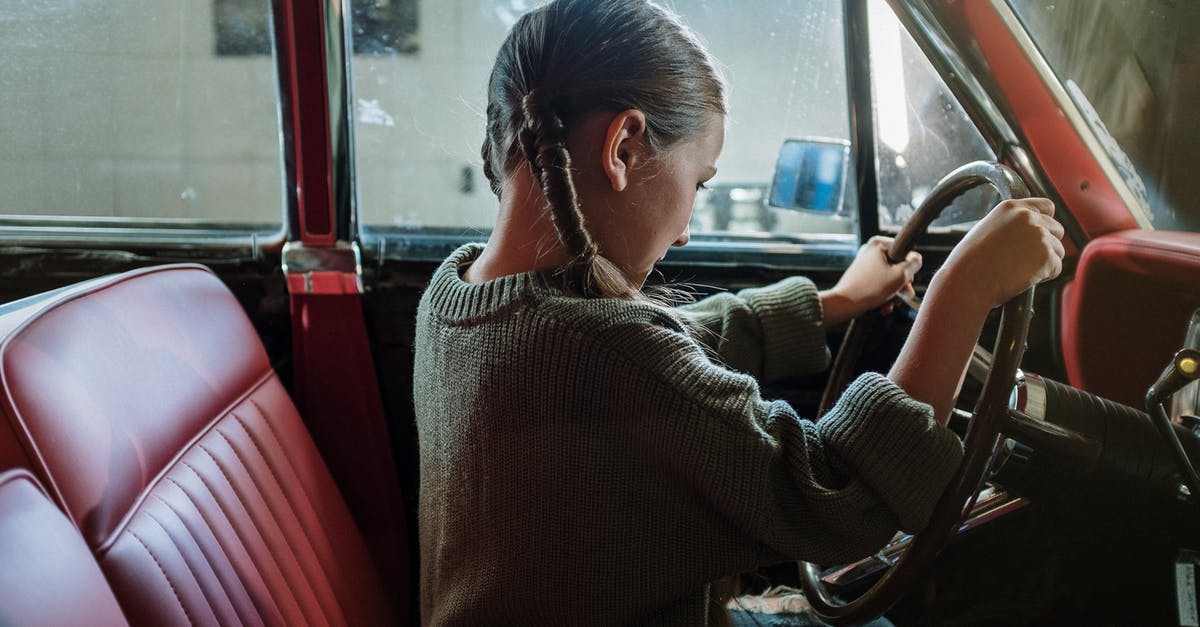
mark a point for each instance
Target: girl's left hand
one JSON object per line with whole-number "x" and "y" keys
{"x": 870, "y": 282}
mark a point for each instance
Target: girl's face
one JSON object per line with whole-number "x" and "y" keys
{"x": 644, "y": 220}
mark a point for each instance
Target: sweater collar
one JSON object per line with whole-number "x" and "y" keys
{"x": 454, "y": 298}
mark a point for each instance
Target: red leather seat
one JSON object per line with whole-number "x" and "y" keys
{"x": 146, "y": 405}
{"x": 47, "y": 575}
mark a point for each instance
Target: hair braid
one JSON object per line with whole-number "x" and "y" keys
{"x": 569, "y": 59}
{"x": 544, "y": 142}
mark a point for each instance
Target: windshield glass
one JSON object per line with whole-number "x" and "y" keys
{"x": 1131, "y": 67}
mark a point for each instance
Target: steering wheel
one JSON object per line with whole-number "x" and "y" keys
{"x": 989, "y": 418}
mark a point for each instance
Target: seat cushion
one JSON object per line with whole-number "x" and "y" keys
{"x": 47, "y": 574}
{"x": 147, "y": 405}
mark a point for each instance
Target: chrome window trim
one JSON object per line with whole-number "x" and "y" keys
{"x": 819, "y": 252}
{"x": 339, "y": 51}
{"x": 191, "y": 238}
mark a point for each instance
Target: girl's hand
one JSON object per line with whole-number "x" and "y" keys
{"x": 1014, "y": 247}
{"x": 870, "y": 282}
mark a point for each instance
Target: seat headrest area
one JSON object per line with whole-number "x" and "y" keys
{"x": 105, "y": 383}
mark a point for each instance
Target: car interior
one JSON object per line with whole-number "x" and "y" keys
{"x": 207, "y": 418}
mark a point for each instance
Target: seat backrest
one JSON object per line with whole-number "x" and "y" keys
{"x": 47, "y": 574}
{"x": 146, "y": 404}
{"x": 1126, "y": 311}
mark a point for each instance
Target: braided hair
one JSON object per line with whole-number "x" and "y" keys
{"x": 572, "y": 58}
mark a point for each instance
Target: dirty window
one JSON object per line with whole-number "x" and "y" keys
{"x": 1131, "y": 67}
{"x": 921, "y": 131}
{"x": 139, "y": 112}
{"x": 419, "y": 115}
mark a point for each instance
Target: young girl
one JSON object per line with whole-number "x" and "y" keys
{"x": 584, "y": 458}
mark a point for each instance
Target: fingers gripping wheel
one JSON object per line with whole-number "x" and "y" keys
{"x": 988, "y": 416}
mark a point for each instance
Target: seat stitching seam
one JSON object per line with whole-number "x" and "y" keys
{"x": 236, "y": 534}
{"x": 191, "y": 571}
{"x": 303, "y": 527}
{"x": 164, "y": 574}
{"x": 203, "y": 550}
{"x": 275, "y": 518}
{"x": 181, "y": 451}
{"x": 266, "y": 419}
{"x": 254, "y": 521}
{"x": 279, "y": 442}
{"x": 279, "y": 523}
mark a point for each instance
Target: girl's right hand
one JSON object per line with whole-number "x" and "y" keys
{"x": 1017, "y": 245}
{"x": 1012, "y": 248}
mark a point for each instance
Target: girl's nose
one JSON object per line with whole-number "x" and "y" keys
{"x": 685, "y": 237}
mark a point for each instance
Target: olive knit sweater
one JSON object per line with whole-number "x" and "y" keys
{"x": 592, "y": 462}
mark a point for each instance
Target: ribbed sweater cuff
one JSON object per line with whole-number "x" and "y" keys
{"x": 891, "y": 442}
{"x": 793, "y": 336}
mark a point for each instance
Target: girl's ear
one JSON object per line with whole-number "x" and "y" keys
{"x": 624, "y": 147}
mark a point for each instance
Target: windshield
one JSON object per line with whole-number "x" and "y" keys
{"x": 1131, "y": 67}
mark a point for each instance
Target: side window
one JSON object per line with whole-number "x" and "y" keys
{"x": 419, "y": 115}
{"x": 133, "y": 113}
{"x": 785, "y": 65}
{"x": 921, "y": 132}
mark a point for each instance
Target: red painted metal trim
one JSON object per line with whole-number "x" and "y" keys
{"x": 1070, "y": 166}
{"x": 302, "y": 52}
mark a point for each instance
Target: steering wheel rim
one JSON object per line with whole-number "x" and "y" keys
{"x": 989, "y": 414}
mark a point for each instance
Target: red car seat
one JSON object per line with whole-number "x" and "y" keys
{"x": 147, "y": 406}
{"x": 47, "y": 575}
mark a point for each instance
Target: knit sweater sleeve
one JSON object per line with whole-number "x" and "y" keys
{"x": 829, "y": 491}
{"x": 768, "y": 332}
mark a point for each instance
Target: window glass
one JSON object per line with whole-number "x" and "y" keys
{"x": 140, "y": 112}
{"x": 419, "y": 112}
{"x": 1132, "y": 68}
{"x": 921, "y": 132}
